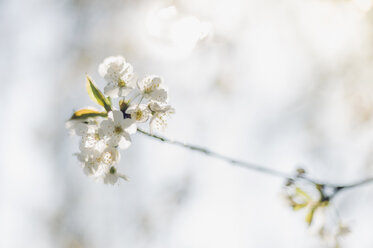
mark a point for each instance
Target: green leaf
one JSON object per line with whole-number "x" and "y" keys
{"x": 109, "y": 100}
{"x": 309, "y": 216}
{"x": 87, "y": 113}
{"x": 303, "y": 194}
{"x": 298, "y": 206}
{"x": 96, "y": 95}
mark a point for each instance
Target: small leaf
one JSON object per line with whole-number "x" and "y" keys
{"x": 96, "y": 95}
{"x": 298, "y": 206}
{"x": 303, "y": 194}
{"x": 109, "y": 100}
{"x": 309, "y": 216}
{"x": 87, "y": 113}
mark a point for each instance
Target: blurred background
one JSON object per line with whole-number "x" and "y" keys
{"x": 283, "y": 83}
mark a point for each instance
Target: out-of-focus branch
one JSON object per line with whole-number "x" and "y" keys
{"x": 257, "y": 167}
{"x": 208, "y": 152}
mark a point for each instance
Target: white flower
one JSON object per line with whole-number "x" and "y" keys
{"x": 112, "y": 176}
{"x": 117, "y": 130}
{"x": 102, "y": 135}
{"x": 151, "y": 88}
{"x": 118, "y": 74}
{"x": 139, "y": 112}
{"x": 90, "y": 161}
{"x": 92, "y": 140}
{"x": 90, "y": 136}
{"x": 160, "y": 113}
{"x": 98, "y": 163}
{"x": 110, "y": 156}
{"x": 80, "y": 127}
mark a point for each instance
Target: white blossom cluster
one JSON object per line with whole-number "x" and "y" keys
{"x": 104, "y": 133}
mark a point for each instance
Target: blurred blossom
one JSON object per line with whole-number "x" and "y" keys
{"x": 174, "y": 32}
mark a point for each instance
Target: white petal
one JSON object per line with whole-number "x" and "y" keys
{"x": 110, "y": 178}
{"x": 124, "y": 91}
{"x": 114, "y": 140}
{"x": 159, "y": 95}
{"x": 127, "y": 72}
{"x": 152, "y": 123}
{"x": 102, "y": 69}
{"x": 124, "y": 177}
{"x": 129, "y": 126}
{"x": 81, "y": 129}
{"x": 131, "y": 109}
{"x": 106, "y": 128}
{"x": 117, "y": 117}
{"x": 111, "y": 90}
{"x": 125, "y": 141}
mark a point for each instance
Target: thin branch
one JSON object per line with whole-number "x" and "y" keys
{"x": 208, "y": 152}
{"x": 354, "y": 185}
{"x": 252, "y": 166}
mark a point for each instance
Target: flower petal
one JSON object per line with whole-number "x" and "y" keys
{"x": 131, "y": 109}
{"x": 106, "y": 128}
{"x": 117, "y": 117}
{"x": 125, "y": 141}
{"x": 159, "y": 95}
{"x": 111, "y": 90}
{"x": 114, "y": 140}
{"x": 124, "y": 91}
{"x": 129, "y": 126}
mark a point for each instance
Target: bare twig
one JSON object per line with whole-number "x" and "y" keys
{"x": 256, "y": 167}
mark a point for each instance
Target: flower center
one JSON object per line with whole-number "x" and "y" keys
{"x": 151, "y": 88}
{"x": 139, "y": 115}
{"x": 121, "y": 83}
{"x": 108, "y": 158}
{"x": 118, "y": 129}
